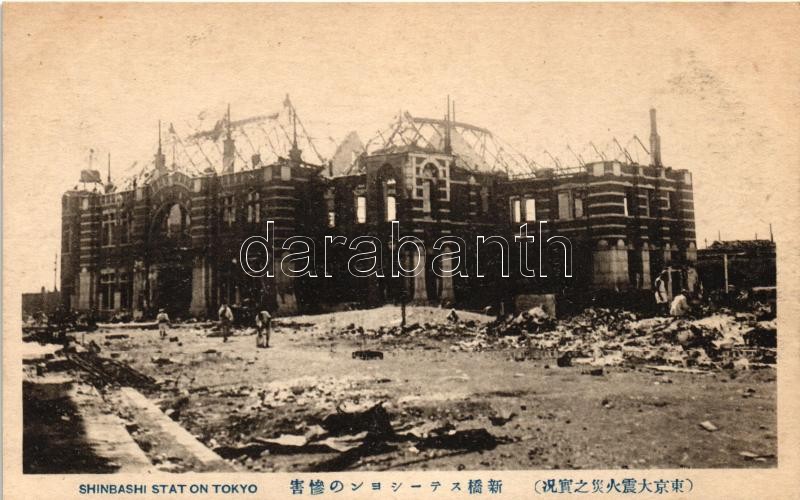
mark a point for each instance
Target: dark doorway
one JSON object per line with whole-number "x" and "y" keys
{"x": 173, "y": 289}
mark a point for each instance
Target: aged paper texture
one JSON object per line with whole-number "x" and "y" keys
{"x": 400, "y": 250}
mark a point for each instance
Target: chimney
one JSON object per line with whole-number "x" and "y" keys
{"x": 109, "y": 188}
{"x": 448, "y": 147}
{"x": 228, "y": 148}
{"x": 655, "y": 140}
{"x": 256, "y": 158}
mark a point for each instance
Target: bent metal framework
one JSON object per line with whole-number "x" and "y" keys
{"x": 171, "y": 238}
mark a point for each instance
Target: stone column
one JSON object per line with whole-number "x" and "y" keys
{"x": 447, "y": 294}
{"x": 667, "y": 254}
{"x": 137, "y": 290}
{"x": 691, "y": 253}
{"x": 420, "y": 286}
{"x": 85, "y": 290}
{"x": 645, "y": 252}
{"x": 200, "y": 281}
{"x": 610, "y": 265}
{"x": 287, "y": 302}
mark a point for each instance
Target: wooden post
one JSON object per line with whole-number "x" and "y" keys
{"x": 725, "y": 267}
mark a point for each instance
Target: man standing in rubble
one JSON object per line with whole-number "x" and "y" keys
{"x": 163, "y": 321}
{"x": 225, "y": 320}
{"x": 661, "y": 295}
{"x": 680, "y": 305}
{"x": 263, "y": 327}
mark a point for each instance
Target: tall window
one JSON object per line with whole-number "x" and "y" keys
{"x": 228, "y": 210}
{"x": 651, "y": 204}
{"x": 426, "y": 197}
{"x": 106, "y": 290}
{"x": 484, "y": 200}
{"x": 390, "y": 200}
{"x": 124, "y": 291}
{"x": 530, "y": 209}
{"x": 391, "y": 208}
{"x": 516, "y": 210}
{"x": 361, "y": 209}
{"x": 563, "y": 205}
{"x": 672, "y": 201}
{"x": 330, "y": 205}
{"x": 67, "y": 240}
{"x": 107, "y": 229}
{"x": 631, "y": 203}
{"x": 430, "y": 174}
{"x": 253, "y": 207}
{"x": 578, "y": 205}
{"x": 175, "y": 221}
{"x": 125, "y": 227}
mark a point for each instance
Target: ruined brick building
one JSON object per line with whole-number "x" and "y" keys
{"x": 171, "y": 238}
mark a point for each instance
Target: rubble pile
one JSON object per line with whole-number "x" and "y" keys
{"x": 335, "y": 421}
{"x": 603, "y": 337}
{"x": 413, "y": 333}
{"x": 352, "y": 436}
{"x": 597, "y": 337}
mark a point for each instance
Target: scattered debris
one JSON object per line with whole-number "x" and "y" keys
{"x": 367, "y": 355}
{"x": 502, "y": 418}
{"x": 375, "y": 421}
{"x": 707, "y": 425}
{"x": 453, "y": 316}
{"x": 161, "y": 361}
{"x": 103, "y": 371}
{"x": 470, "y": 439}
{"x": 748, "y": 455}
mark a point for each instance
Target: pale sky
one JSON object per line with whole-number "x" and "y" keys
{"x": 724, "y": 78}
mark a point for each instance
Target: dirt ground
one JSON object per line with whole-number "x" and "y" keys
{"x": 262, "y": 408}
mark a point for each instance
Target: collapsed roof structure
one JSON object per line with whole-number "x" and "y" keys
{"x": 265, "y": 137}
{"x": 198, "y": 147}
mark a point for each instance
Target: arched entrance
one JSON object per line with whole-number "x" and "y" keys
{"x": 170, "y": 260}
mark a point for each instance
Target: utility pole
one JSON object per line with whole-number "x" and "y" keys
{"x": 55, "y": 272}
{"x": 725, "y": 267}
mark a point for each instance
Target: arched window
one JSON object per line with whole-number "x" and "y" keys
{"x": 361, "y": 205}
{"x": 330, "y": 206}
{"x": 430, "y": 175}
{"x": 391, "y": 200}
{"x": 430, "y": 171}
{"x": 175, "y": 221}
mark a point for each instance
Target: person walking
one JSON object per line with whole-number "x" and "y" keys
{"x": 163, "y": 321}
{"x": 661, "y": 295}
{"x": 263, "y": 327}
{"x": 225, "y": 320}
